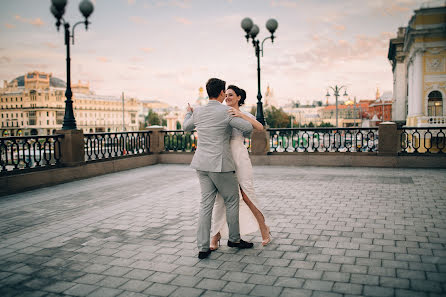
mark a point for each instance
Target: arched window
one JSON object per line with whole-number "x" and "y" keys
{"x": 435, "y": 104}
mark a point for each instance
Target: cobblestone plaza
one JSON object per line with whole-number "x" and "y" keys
{"x": 336, "y": 232}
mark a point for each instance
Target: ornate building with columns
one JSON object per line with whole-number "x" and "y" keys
{"x": 418, "y": 59}
{"x": 34, "y": 104}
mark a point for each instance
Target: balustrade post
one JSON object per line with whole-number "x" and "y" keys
{"x": 72, "y": 147}
{"x": 388, "y": 139}
{"x": 260, "y": 142}
{"x": 156, "y": 139}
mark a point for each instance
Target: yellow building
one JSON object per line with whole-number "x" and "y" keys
{"x": 34, "y": 104}
{"x": 418, "y": 58}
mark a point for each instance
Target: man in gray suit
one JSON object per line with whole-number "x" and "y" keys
{"x": 214, "y": 164}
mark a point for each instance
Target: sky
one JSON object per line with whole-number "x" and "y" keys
{"x": 166, "y": 49}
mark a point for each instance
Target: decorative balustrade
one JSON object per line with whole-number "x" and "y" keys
{"x": 432, "y": 121}
{"x": 179, "y": 141}
{"x": 116, "y": 144}
{"x": 323, "y": 140}
{"x": 26, "y": 152}
{"x": 416, "y": 140}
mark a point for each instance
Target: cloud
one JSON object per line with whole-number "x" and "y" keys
{"x": 284, "y": 3}
{"x": 392, "y": 8}
{"x": 170, "y": 3}
{"x": 103, "y": 59}
{"x": 183, "y": 21}
{"x": 35, "y": 22}
{"x": 136, "y": 59}
{"x": 326, "y": 52}
{"x": 138, "y": 20}
{"x": 37, "y": 66}
{"x": 9, "y": 26}
{"x": 338, "y": 28}
{"x": 147, "y": 50}
{"x": 5, "y": 60}
{"x": 51, "y": 45}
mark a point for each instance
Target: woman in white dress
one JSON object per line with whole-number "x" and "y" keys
{"x": 250, "y": 217}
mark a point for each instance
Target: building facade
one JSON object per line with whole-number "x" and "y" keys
{"x": 34, "y": 104}
{"x": 418, "y": 59}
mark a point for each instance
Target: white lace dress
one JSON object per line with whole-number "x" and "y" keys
{"x": 243, "y": 167}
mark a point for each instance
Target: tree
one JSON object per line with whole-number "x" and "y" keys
{"x": 277, "y": 118}
{"x": 323, "y": 124}
{"x": 153, "y": 119}
{"x": 178, "y": 125}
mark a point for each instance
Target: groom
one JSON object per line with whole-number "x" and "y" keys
{"x": 214, "y": 164}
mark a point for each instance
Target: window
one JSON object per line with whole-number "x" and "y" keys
{"x": 435, "y": 104}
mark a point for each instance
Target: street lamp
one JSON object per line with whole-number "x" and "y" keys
{"x": 58, "y": 10}
{"x": 336, "y": 91}
{"x": 251, "y": 32}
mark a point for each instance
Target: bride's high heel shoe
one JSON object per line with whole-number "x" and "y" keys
{"x": 215, "y": 247}
{"x": 268, "y": 240}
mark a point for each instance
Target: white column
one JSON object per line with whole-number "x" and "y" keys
{"x": 410, "y": 85}
{"x": 418, "y": 84}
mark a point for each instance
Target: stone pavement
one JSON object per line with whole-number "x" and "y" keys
{"x": 337, "y": 232}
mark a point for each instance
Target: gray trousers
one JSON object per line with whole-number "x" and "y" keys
{"x": 226, "y": 184}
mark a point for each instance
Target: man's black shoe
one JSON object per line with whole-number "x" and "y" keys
{"x": 241, "y": 245}
{"x": 204, "y": 255}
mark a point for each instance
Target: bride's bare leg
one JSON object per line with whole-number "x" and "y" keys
{"x": 214, "y": 241}
{"x": 258, "y": 215}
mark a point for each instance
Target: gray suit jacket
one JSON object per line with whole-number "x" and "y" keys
{"x": 214, "y": 128}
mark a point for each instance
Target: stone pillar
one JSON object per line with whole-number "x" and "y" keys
{"x": 410, "y": 101}
{"x": 418, "y": 84}
{"x": 72, "y": 147}
{"x": 388, "y": 139}
{"x": 156, "y": 139}
{"x": 259, "y": 142}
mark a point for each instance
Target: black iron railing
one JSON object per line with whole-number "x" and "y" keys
{"x": 116, "y": 144}
{"x": 24, "y": 152}
{"x": 416, "y": 140}
{"x": 323, "y": 140}
{"x": 180, "y": 141}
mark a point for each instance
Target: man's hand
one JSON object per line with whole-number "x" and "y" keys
{"x": 189, "y": 108}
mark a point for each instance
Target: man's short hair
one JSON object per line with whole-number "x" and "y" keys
{"x": 214, "y": 86}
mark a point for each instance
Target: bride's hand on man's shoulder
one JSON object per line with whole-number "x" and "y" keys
{"x": 189, "y": 108}
{"x": 234, "y": 112}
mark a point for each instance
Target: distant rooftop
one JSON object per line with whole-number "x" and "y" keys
{"x": 54, "y": 82}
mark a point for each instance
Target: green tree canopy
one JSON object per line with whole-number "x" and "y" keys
{"x": 153, "y": 119}
{"x": 277, "y": 118}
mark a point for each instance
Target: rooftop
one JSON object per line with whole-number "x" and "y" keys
{"x": 358, "y": 231}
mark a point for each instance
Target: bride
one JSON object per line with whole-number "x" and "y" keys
{"x": 250, "y": 217}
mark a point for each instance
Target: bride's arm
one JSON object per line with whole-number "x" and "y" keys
{"x": 237, "y": 113}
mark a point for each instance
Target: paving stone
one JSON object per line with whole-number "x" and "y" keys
{"x": 89, "y": 279}
{"x": 160, "y": 290}
{"x": 259, "y": 279}
{"x": 336, "y": 276}
{"x": 238, "y": 288}
{"x": 80, "y": 290}
{"x": 318, "y": 285}
{"x": 59, "y": 287}
{"x": 288, "y": 292}
{"x": 347, "y": 288}
{"x": 211, "y": 284}
{"x": 349, "y": 227}
{"x": 267, "y": 291}
{"x": 378, "y": 291}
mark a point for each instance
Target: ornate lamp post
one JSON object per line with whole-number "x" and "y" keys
{"x": 58, "y": 10}
{"x": 336, "y": 91}
{"x": 251, "y": 32}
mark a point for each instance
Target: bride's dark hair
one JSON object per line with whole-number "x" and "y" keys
{"x": 239, "y": 92}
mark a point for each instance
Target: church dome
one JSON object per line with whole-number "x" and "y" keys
{"x": 54, "y": 82}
